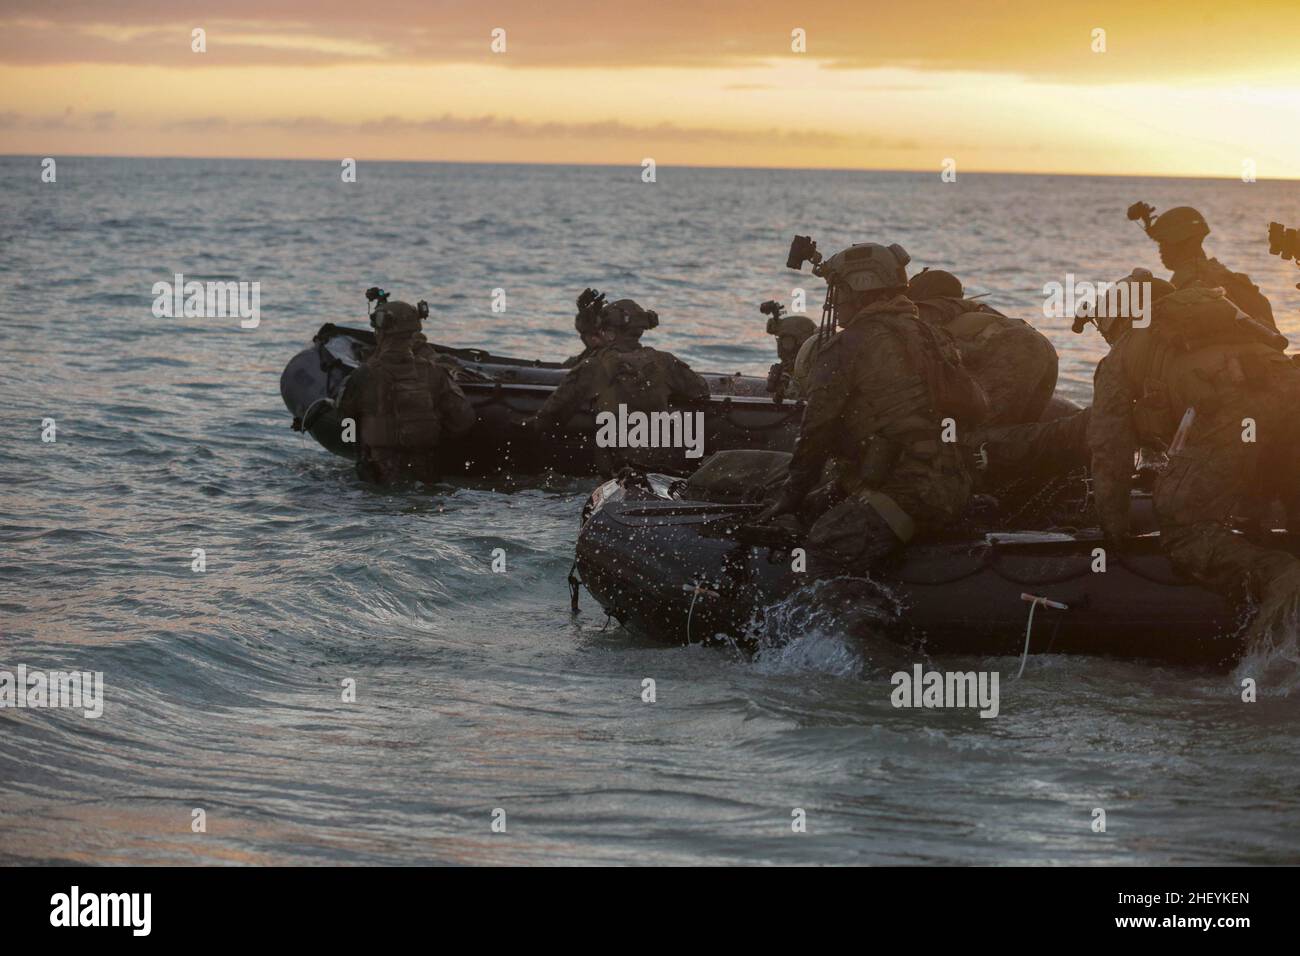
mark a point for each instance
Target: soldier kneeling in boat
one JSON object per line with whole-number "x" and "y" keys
{"x": 403, "y": 403}
{"x": 1214, "y": 387}
{"x": 887, "y": 399}
{"x": 622, "y": 373}
{"x": 790, "y": 332}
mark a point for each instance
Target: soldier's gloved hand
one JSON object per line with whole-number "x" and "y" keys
{"x": 590, "y": 299}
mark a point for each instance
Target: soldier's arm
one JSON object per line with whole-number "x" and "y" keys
{"x": 349, "y": 401}
{"x": 569, "y": 396}
{"x": 458, "y": 415}
{"x": 685, "y": 384}
{"x": 1256, "y": 304}
{"x": 1113, "y": 440}
{"x": 828, "y": 395}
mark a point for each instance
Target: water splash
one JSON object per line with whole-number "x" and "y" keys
{"x": 1272, "y": 659}
{"x": 834, "y": 627}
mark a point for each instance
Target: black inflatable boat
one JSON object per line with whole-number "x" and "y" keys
{"x": 505, "y": 391}
{"x": 682, "y": 570}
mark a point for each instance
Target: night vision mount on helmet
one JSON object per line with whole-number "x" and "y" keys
{"x": 862, "y": 267}
{"x": 1284, "y": 242}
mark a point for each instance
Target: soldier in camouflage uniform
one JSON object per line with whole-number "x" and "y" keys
{"x": 624, "y": 372}
{"x": 874, "y": 413}
{"x": 403, "y": 404}
{"x": 1179, "y": 233}
{"x": 791, "y": 332}
{"x": 1014, "y": 363}
{"x": 1201, "y": 353}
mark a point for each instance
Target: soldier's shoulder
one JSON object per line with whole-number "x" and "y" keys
{"x": 1211, "y": 272}
{"x": 874, "y": 327}
{"x": 593, "y": 366}
{"x": 596, "y": 356}
{"x": 1113, "y": 361}
{"x": 833, "y": 344}
{"x": 659, "y": 355}
{"x": 1229, "y": 277}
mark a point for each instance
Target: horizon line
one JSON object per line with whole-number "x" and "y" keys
{"x": 700, "y": 166}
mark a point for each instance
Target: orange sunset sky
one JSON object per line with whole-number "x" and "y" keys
{"x": 1191, "y": 88}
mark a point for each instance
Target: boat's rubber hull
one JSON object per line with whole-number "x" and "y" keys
{"x": 642, "y": 557}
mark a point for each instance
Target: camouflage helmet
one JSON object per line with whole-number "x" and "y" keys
{"x": 396, "y": 317}
{"x": 1177, "y": 225}
{"x": 934, "y": 284}
{"x": 625, "y": 315}
{"x": 798, "y": 327}
{"x": 868, "y": 266}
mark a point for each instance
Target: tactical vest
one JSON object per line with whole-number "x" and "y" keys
{"x": 404, "y": 411}
{"x": 1195, "y": 353}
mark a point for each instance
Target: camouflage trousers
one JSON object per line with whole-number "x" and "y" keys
{"x": 920, "y": 496}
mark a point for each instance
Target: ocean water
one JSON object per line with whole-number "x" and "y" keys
{"x": 477, "y": 691}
